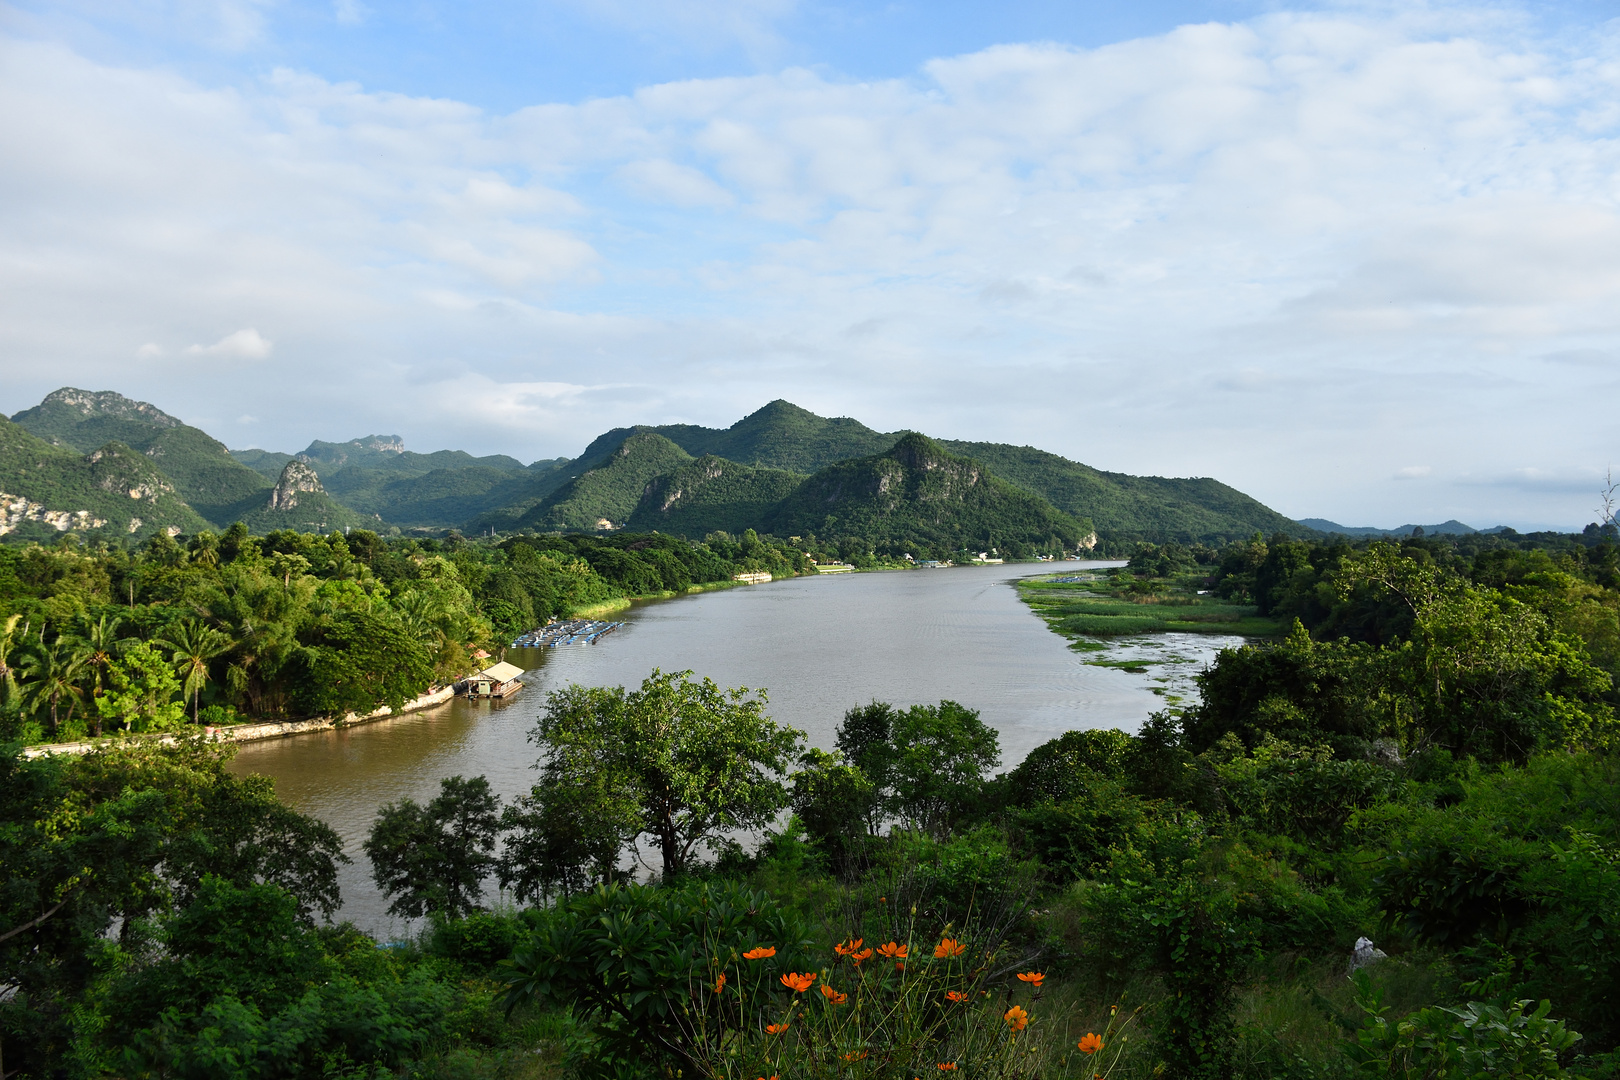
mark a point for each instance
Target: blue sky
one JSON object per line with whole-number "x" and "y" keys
{"x": 1359, "y": 260}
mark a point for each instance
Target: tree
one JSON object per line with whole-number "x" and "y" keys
{"x": 360, "y": 662}
{"x": 192, "y": 646}
{"x": 51, "y": 677}
{"x": 99, "y": 642}
{"x": 434, "y": 858}
{"x": 679, "y": 761}
{"x": 941, "y": 755}
{"x": 833, "y": 800}
{"x": 143, "y": 692}
{"x": 864, "y": 740}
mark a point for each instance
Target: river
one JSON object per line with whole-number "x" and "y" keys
{"x": 818, "y": 645}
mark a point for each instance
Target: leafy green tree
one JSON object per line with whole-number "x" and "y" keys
{"x": 361, "y": 661}
{"x": 833, "y": 800}
{"x": 104, "y": 840}
{"x": 941, "y": 757}
{"x": 142, "y": 692}
{"x": 434, "y": 858}
{"x": 679, "y": 761}
{"x": 864, "y": 738}
{"x": 1067, "y": 766}
{"x": 568, "y": 832}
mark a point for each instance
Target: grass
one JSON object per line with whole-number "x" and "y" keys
{"x": 1119, "y": 604}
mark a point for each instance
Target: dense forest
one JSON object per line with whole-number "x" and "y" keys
{"x": 101, "y": 639}
{"x": 1425, "y": 761}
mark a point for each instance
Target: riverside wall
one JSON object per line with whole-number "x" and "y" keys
{"x": 247, "y": 732}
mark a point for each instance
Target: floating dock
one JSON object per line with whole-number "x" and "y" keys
{"x": 573, "y": 632}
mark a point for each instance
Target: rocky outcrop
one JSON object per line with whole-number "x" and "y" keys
{"x": 14, "y": 510}
{"x": 108, "y": 403}
{"x": 295, "y": 478}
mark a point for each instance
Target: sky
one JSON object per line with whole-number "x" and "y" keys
{"x": 1358, "y": 260}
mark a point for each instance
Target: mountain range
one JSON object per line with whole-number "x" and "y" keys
{"x": 102, "y": 462}
{"x": 1445, "y": 528}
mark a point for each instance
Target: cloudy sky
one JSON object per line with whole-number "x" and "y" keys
{"x": 1359, "y": 260}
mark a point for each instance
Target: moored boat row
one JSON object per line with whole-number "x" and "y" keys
{"x": 570, "y": 632}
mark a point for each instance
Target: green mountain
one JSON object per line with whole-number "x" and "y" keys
{"x": 1117, "y": 503}
{"x": 267, "y": 463}
{"x": 112, "y": 491}
{"x": 711, "y": 494}
{"x": 917, "y": 490}
{"x": 377, "y": 476}
{"x": 299, "y": 501}
{"x": 610, "y": 489}
{"x": 779, "y": 436}
{"x": 199, "y": 466}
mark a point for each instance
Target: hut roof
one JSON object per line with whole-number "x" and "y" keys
{"x": 501, "y": 672}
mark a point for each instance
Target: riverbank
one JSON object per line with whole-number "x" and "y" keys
{"x": 242, "y": 733}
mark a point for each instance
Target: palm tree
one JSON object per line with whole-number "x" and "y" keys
{"x": 192, "y": 645}
{"x": 8, "y": 677}
{"x": 51, "y": 676}
{"x": 98, "y": 641}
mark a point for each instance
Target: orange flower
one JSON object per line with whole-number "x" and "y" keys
{"x": 855, "y": 1055}
{"x": 894, "y": 951}
{"x": 1090, "y": 1043}
{"x": 1034, "y": 978}
{"x": 720, "y": 983}
{"x": 1017, "y": 1019}
{"x": 776, "y": 1029}
{"x": 798, "y": 983}
{"x": 864, "y": 954}
{"x": 759, "y": 952}
{"x": 947, "y": 1066}
{"x": 848, "y": 947}
{"x": 898, "y": 966}
{"x": 832, "y": 995}
{"x": 948, "y": 947}
{"x": 955, "y": 995}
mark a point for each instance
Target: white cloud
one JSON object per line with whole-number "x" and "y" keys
{"x": 1296, "y": 253}
{"x": 246, "y": 344}
{"x": 150, "y": 351}
{"x": 1413, "y": 472}
{"x": 350, "y": 12}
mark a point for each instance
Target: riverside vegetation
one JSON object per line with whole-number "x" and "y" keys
{"x": 99, "y": 640}
{"x": 1426, "y": 758}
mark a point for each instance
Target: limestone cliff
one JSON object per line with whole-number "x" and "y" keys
{"x": 295, "y": 478}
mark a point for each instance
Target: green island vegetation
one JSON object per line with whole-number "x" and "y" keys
{"x": 100, "y": 640}
{"x": 108, "y": 467}
{"x": 1426, "y": 760}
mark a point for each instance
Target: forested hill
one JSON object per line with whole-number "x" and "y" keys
{"x": 199, "y": 467}
{"x": 1117, "y": 503}
{"x": 779, "y": 436}
{"x": 918, "y": 494}
{"x": 766, "y": 471}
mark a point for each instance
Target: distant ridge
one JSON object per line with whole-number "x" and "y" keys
{"x": 1445, "y": 528}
